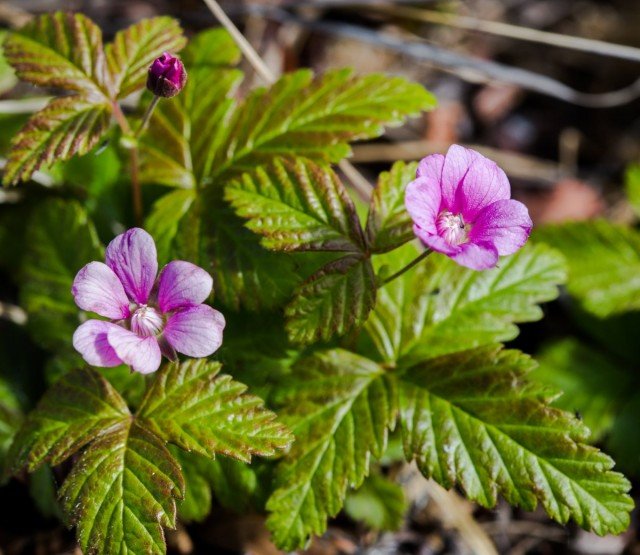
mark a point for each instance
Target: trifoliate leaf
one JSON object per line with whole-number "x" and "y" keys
{"x": 62, "y": 50}
{"x": 314, "y": 117}
{"x": 60, "y": 240}
{"x": 74, "y": 411}
{"x": 604, "y": 264}
{"x": 67, "y": 126}
{"x": 389, "y": 224}
{"x": 122, "y": 491}
{"x": 213, "y": 48}
{"x": 440, "y": 308}
{"x": 632, "y": 187}
{"x": 336, "y": 298}
{"x": 297, "y": 205}
{"x": 592, "y": 384}
{"x": 195, "y": 408}
{"x": 339, "y": 406}
{"x": 378, "y": 502}
{"x": 471, "y": 419}
{"x": 134, "y": 49}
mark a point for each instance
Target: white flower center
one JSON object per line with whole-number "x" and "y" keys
{"x": 452, "y": 228}
{"x": 146, "y": 321}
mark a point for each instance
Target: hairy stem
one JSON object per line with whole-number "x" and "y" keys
{"x": 136, "y": 193}
{"x": 411, "y": 264}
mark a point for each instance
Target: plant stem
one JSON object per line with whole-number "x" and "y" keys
{"x": 411, "y": 264}
{"x": 136, "y": 193}
{"x": 147, "y": 116}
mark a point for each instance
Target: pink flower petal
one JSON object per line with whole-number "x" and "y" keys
{"x": 505, "y": 223}
{"x": 431, "y": 167}
{"x": 477, "y": 256}
{"x": 183, "y": 284}
{"x": 435, "y": 242}
{"x": 422, "y": 200}
{"x": 91, "y": 341}
{"x": 132, "y": 256}
{"x": 195, "y": 331}
{"x": 97, "y": 289}
{"x": 456, "y": 165}
{"x": 141, "y": 353}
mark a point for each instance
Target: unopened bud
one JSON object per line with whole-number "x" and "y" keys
{"x": 167, "y": 76}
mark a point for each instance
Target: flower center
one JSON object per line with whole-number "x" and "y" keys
{"x": 146, "y": 321}
{"x": 452, "y": 228}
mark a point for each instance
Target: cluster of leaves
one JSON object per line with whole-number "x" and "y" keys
{"x": 247, "y": 191}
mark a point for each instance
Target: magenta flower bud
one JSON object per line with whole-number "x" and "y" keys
{"x": 167, "y": 76}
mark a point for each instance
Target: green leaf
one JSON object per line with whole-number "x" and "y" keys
{"x": 213, "y": 48}
{"x": 134, "y": 49}
{"x": 314, "y": 117}
{"x": 196, "y": 504}
{"x": 10, "y": 421}
{"x": 67, "y": 126}
{"x": 378, "y": 502}
{"x": 471, "y": 419}
{"x": 297, "y": 205}
{"x": 632, "y": 187}
{"x": 336, "y": 298}
{"x": 79, "y": 407}
{"x": 122, "y": 491}
{"x": 61, "y": 50}
{"x": 440, "y": 307}
{"x": 339, "y": 406}
{"x": 592, "y": 384}
{"x": 604, "y": 264}
{"x": 389, "y": 224}
{"x": 197, "y": 409}
{"x": 60, "y": 240}
{"x": 625, "y": 435}
{"x": 42, "y": 488}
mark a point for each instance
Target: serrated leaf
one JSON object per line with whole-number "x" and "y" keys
{"x": 213, "y": 48}
{"x": 314, "y": 117}
{"x": 60, "y": 240}
{"x": 592, "y": 384}
{"x": 195, "y": 408}
{"x": 389, "y": 225}
{"x": 297, "y": 205}
{"x": 336, "y": 298}
{"x": 134, "y": 49}
{"x": 441, "y": 308}
{"x": 61, "y": 50}
{"x": 378, "y": 502}
{"x": 472, "y": 419}
{"x": 122, "y": 491}
{"x": 339, "y": 406}
{"x": 604, "y": 264}
{"x": 67, "y": 126}
{"x": 73, "y": 412}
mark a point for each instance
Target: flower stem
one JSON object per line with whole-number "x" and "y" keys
{"x": 147, "y": 116}
{"x": 411, "y": 264}
{"x": 136, "y": 193}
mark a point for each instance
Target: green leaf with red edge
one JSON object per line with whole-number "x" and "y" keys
{"x": 297, "y": 205}
{"x": 79, "y": 407}
{"x": 122, "y": 491}
{"x": 133, "y": 50}
{"x": 65, "y": 127}
{"x": 340, "y": 407}
{"x": 472, "y": 419}
{"x": 62, "y": 50}
{"x": 332, "y": 301}
{"x": 389, "y": 225}
{"x": 194, "y": 407}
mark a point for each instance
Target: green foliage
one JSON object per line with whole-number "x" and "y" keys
{"x": 604, "y": 264}
{"x": 336, "y": 298}
{"x": 388, "y": 224}
{"x": 440, "y": 308}
{"x": 60, "y": 240}
{"x": 134, "y": 49}
{"x": 378, "y": 502}
{"x": 471, "y": 419}
{"x": 10, "y": 420}
{"x": 193, "y": 407}
{"x": 339, "y": 407}
{"x": 632, "y": 187}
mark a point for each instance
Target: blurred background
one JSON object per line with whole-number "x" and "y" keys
{"x": 549, "y": 89}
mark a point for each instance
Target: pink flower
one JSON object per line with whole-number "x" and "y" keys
{"x": 148, "y": 317}
{"x": 460, "y": 206}
{"x": 166, "y": 76}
